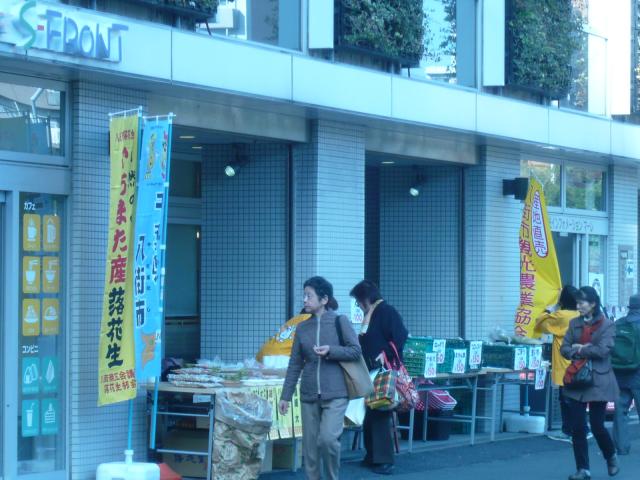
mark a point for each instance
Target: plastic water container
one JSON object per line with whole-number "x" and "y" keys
{"x": 128, "y": 470}
{"x": 516, "y": 423}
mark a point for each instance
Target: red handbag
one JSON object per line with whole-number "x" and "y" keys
{"x": 407, "y": 393}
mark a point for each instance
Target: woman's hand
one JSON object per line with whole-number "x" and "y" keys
{"x": 283, "y": 407}
{"x": 322, "y": 350}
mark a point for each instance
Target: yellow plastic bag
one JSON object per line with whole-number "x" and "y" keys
{"x": 281, "y": 343}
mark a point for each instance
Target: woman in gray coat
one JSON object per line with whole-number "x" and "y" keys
{"x": 590, "y": 337}
{"x": 316, "y": 355}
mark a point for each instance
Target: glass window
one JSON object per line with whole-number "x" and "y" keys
{"x": 31, "y": 119}
{"x": 585, "y": 188}
{"x": 449, "y": 42}
{"x": 275, "y": 22}
{"x": 185, "y": 179}
{"x": 41, "y": 361}
{"x": 548, "y": 174}
{"x": 183, "y": 272}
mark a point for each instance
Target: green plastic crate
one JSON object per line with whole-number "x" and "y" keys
{"x": 500, "y": 356}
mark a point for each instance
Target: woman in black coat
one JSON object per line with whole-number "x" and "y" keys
{"x": 381, "y": 326}
{"x": 590, "y": 337}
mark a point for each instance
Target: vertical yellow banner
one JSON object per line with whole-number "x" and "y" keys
{"x": 116, "y": 380}
{"x": 540, "y": 282}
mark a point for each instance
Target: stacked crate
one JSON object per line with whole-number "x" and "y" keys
{"x": 416, "y": 348}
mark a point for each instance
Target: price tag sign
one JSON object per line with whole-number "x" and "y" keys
{"x": 541, "y": 374}
{"x": 475, "y": 354}
{"x": 535, "y": 357}
{"x": 439, "y": 348}
{"x": 430, "y": 365}
{"x": 520, "y": 361}
{"x": 459, "y": 361}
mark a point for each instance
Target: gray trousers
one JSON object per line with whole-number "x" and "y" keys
{"x": 322, "y": 425}
{"x": 621, "y": 418}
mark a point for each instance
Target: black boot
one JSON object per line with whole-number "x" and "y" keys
{"x": 581, "y": 474}
{"x": 612, "y": 465}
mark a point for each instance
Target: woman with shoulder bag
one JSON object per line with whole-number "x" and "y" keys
{"x": 382, "y": 326}
{"x": 316, "y": 354}
{"x": 589, "y": 380}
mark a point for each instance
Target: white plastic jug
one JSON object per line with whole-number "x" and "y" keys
{"x": 128, "y": 470}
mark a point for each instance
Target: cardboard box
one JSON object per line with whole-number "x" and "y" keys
{"x": 189, "y": 440}
{"x": 268, "y": 458}
{"x": 283, "y": 454}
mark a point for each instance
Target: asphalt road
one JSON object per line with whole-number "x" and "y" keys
{"x": 527, "y": 458}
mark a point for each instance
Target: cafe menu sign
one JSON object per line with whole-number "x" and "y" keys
{"x": 60, "y": 29}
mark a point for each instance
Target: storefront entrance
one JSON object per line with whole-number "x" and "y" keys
{"x": 32, "y": 340}
{"x": 582, "y": 260}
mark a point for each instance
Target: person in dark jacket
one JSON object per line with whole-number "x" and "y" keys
{"x": 590, "y": 337}
{"x": 629, "y": 383}
{"x": 317, "y": 353}
{"x": 382, "y": 325}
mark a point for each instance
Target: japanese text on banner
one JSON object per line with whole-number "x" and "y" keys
{"x": 116, "y": 380}
{"x": 150, "y": 245}
{"x": 540, "y": 281}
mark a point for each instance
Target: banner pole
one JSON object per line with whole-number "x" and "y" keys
{"x": 130, "y": 429}
{"x": 154, "y": 415}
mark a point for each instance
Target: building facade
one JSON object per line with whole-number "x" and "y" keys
{"x": 330, "y": 133}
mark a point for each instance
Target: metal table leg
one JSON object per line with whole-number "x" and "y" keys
{"x": 474, "y": 399}
{"x": 494, "y": 401}
{"x": 411, "y": 423}
{"x": 212, "y": 422}
{"x": 425, "y": 418}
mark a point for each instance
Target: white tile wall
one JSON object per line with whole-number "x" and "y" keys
{"x": 420, "y": 248}
{"x": 329, "y": 209}
{"x": 244, "y": 250}
{"x": 97, "y": 434}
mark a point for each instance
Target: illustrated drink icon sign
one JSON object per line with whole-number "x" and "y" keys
{"x": 51, "y": 373}
{"x": 31, "y": 316}
{"x": 51, "y": 231}
{"x": 30, "y": 415}
{"x": 32, "y": 231}
{"x": 50, "y": 415}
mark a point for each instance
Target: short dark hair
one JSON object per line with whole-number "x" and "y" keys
{"x": 323, "y": 288}
{"x": 589, "y": 294}
{"x": 568, "y": 298}
{"x": 366, "y": 290}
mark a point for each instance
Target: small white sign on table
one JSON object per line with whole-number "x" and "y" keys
{"x": 535, "y": 357}
{"x": 459, "y": 361}
{"x": 430, "y": 365}
{"x": 475, "y": 354}
{"x": 439, "y": 346}
{"x": 541, "y": 374}
{"x": 520, "y": 360}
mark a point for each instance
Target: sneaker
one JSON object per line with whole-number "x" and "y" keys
{"x": 612, "y": 466}
{"x": 560, "y": 436}
{"x": 383, "y": 469}
{"x": 581, "y": 474}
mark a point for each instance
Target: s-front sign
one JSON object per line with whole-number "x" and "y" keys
{"x": 60, "y": 29}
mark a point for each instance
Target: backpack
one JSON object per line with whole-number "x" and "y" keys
{"x": 626, "y": 348}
